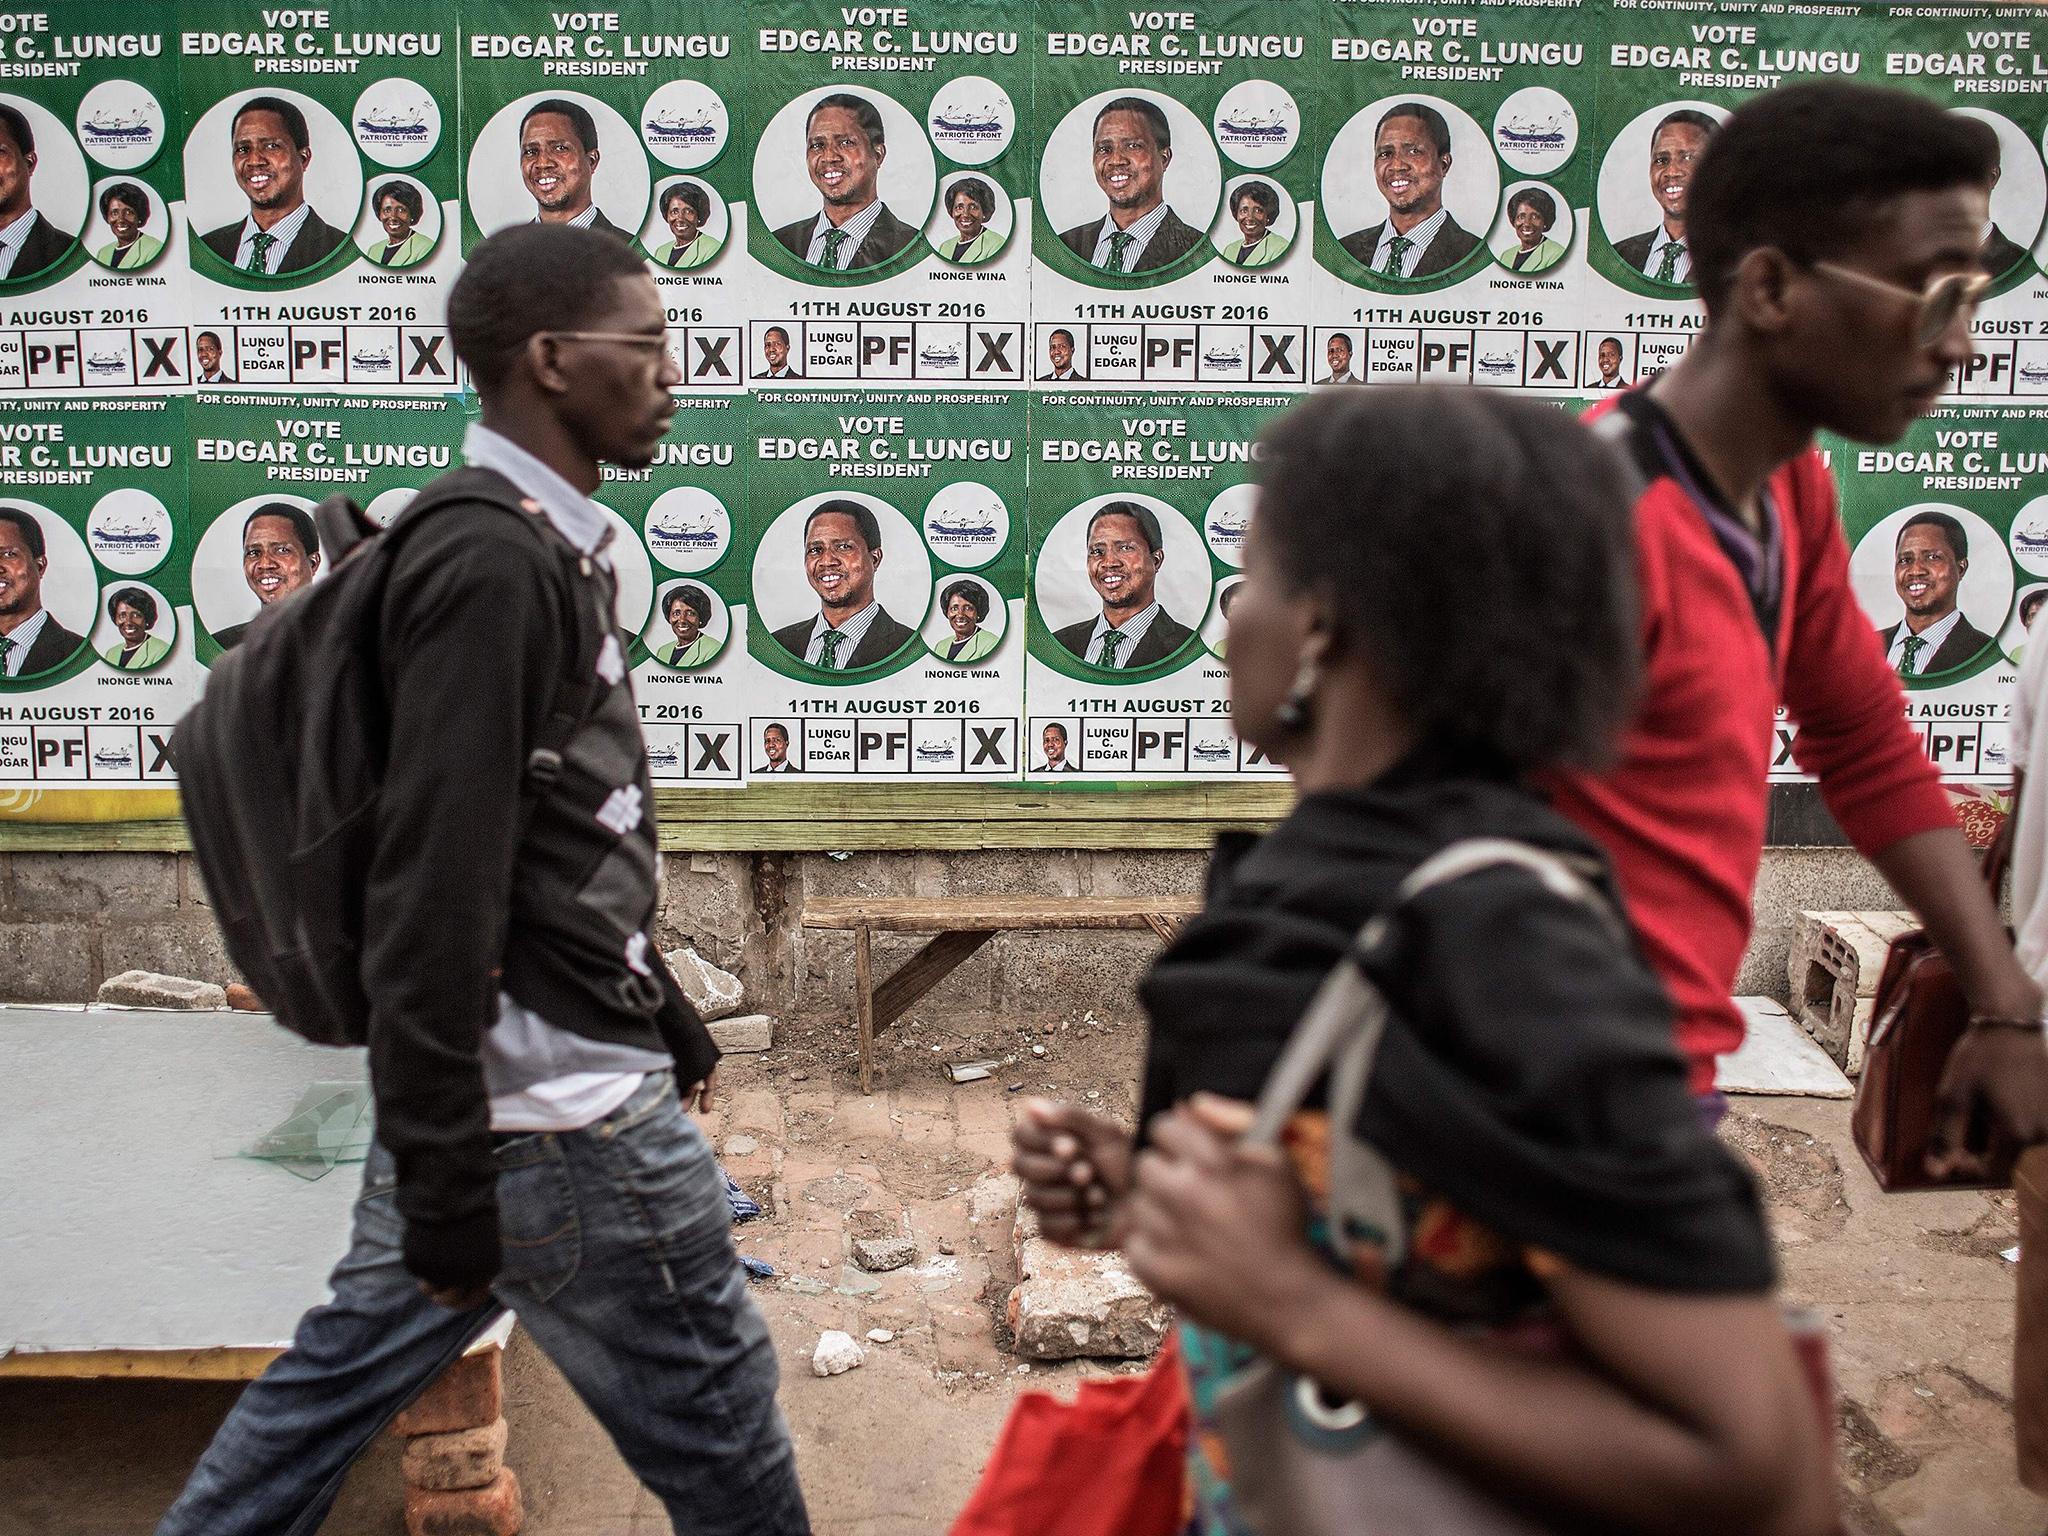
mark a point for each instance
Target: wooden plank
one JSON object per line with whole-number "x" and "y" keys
{"x": 923, "y": 971}
{"x": 864, "y": 1004}
{"x": 891, "y": 914}
{"x": 140, "y": 1364}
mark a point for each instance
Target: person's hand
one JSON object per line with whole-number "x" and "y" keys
{"x": 456, "y": 1298}
{"x": 1075, "y": 1166}
{"x": 2002, "y": 1071}
{"x": 1218, "y": 1229}
{"x": 699, "y": 1096}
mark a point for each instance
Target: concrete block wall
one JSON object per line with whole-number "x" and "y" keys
{"x": 70, "y": 920}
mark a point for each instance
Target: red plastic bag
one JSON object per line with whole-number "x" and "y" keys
{"x": 1111, "y": 1463}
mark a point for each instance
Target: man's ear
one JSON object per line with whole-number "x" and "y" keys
{"x": 1765, "y": 292}
{"x": 876, "y": 558}
{"x": 542, "y": 361}
{"x": 1166, "y": 155}
{"x": 881, "y": 153}
{"x": 305, "y": 157}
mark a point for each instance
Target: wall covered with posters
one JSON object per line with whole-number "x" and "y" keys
{"x": 978, "y": 308}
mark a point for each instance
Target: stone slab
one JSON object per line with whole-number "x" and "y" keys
{"x": 1778, "y": 1057}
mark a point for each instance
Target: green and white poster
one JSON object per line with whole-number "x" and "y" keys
{"x": 1948, "y": 539}
{"x": 885, "y": 548}
{"x": 890, "y": 222}
{"x": 92, "y": 228}
{"x": 96, "y": 659}
{"x": 261, "y": 463}
{"x": 683, "y": 590}
{"x": 1139, "y": 509}
{"x": 1454, "y": 168}
{"x": 631, "y": 119}
{"x": 320, "y": 177}
{"x": 1176, "y": 194}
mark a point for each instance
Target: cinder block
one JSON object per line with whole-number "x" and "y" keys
{"x": 468, "y": 1395}
{"x": 1833, "y": 969}
{"x": 147, "y": 989}
{"x": 463, "y": 1458}
{"x": 490, "y": 1511}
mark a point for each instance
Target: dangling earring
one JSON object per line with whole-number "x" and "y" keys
{"x": 1293, "y": 713}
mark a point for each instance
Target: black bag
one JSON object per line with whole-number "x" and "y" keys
{"x": 281, "y": 761}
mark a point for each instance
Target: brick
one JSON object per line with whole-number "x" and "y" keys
{"x": 469, "y": 1394}
{"x": 743, "y": 1033}
{"x": 244, "y": 998}
{"x": 492, "y": 1511}
{"x": 463, "y": 1458}
{"x": 148, "y": 989}
{"x": 881, "y": 1254}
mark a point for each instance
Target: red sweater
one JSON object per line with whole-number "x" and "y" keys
{"x": 1682, "y": 814}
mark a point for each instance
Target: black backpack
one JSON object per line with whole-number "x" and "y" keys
{"x": 281, "y": 761}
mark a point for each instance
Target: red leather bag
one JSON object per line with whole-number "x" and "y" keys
{"x": 1113, "y": 1462}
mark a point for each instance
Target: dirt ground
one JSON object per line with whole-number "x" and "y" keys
{"x": 1915, "y": 1294}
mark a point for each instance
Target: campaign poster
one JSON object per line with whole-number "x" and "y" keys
{"x": 676, "y": 553}
{"x": 889, "y": 235}
{"x": 96, "y": 639}
{"x": 1991, "y": 63}
{"x": 1948, "y": 541}
{"x": 261, "y": 463}
{"x": 1139, "y": 509}
{"x": 1176, "y": 196}
{"x": 1454, "y": 180}
{"x": 92, "y": 293}
{"x": 319, "y": 169}
{"x": 629, "y": 119}
{"x": 1670, "y": 80}
{"x": 886, "y": 579}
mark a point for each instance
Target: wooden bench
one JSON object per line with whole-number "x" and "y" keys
{"x": 960, "y": 927}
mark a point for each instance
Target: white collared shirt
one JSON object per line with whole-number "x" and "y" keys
{"x": 1132, "y": 629}
{"x": 1420, "y": 236}
{"x": 1934, "y": 634}
{"x": 855, "y": 229}
{"x": 520, "y": 1036}
{"x": 25, "y": 635}
{"x": 13, "y": 238}
{"x": 1141, "y": 234}
{"x": 1681, "y": 273}
{"x": 282, "y": 233}
{"x": 582, "y": 220}
{"x": 852, "y": 632}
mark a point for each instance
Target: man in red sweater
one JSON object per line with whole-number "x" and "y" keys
{"x": 1834, "y": 234}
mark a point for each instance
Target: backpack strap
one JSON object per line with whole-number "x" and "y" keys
{"x": 1340, "y": 1034}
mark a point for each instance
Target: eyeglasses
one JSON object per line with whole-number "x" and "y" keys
{"x": 1940, "y": 302}
{"x": 624, "y": 338}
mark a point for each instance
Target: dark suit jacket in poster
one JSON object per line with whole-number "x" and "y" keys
{"x": 1998, "y": 257}
{"x": 227, "y": 639}
{"x": 1962, "y": 646}
{"x": 1451, "y": 244}
{"x": 888, "y": 236}
{"x": 1172, "y": 240}
{"x": 885, "y": 637}
{"x": 1635, "y": 250}
{"x": 45, "y": 245}
{"x": 54, "y": 646}
{"x": 1166, "y": 636}
{"x": 315, "y": 242}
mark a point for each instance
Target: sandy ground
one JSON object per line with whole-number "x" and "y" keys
{"x": 1917, "y": 1300}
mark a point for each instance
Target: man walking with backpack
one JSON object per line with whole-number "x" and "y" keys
{"x": 526, "y": 1041}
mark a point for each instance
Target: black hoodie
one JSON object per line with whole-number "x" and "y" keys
{"x": 1528, "y": 1074}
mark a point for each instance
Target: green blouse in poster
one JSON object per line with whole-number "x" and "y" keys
{"x": 886, "y": 538}
{"x": 320, "y": 173}
{"x": 95, "y": 549}
{"x": 1174, "y": 184}
{"x": 1138, "y": 517}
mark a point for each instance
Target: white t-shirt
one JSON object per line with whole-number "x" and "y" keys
{"x": 2029, "y": 747}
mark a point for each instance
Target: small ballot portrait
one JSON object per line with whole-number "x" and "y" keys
{"x": 1059, "y": 359}
{"x": 1338, "y": 354}
{"x": 29, "y": 241}
{"x": 1412, "y": 158}
{"x": 845, "y": 146}
{"x": 280, "y": 555}
{"x": 775, "y": 363}
{"x": 206, "y": 350}
{"x": 1131, "y": 151}
{"x": 1124, "y": 551}
{"x": 1607, "y": 358}
{"x": 1054, "y": 754}
{"x": 775, "y": 756}
{"x": 270, "y": 149}
{"x": 32, "y": 640}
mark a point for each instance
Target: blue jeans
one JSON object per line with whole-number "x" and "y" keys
{"x": 619, "y": 1262}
